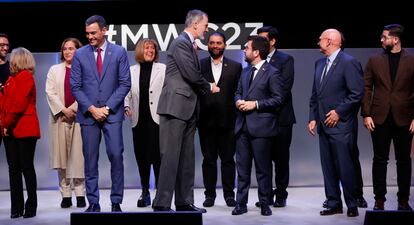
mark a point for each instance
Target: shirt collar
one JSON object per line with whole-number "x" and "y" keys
{"x": 190, "y": 36}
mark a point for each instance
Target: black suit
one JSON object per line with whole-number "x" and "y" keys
{"x": 286, "y": 117}
{"x": 216, "y": 127}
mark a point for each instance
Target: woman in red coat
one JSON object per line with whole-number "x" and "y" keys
{"x": 20, "y": 126}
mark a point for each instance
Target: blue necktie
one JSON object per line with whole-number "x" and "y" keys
{"x": 325, "y": 70}
{"x": 251, "y": 75}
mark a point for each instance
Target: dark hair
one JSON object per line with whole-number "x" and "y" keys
{"x": 3, "y": 35}
{"x": 395, "y": 30}
{"x": 76, "y": 41}
{"x": 261, "y": 44}
{"x": 272, "y": 32}
{"x": 216, "y": 33}
{"x": 96, "y": 19}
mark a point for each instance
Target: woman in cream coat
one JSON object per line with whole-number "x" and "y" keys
{"x": 147, "y": 79}
{"x": 65, "y": 142}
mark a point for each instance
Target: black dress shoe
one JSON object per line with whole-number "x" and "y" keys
{"x": 330, "y": 211}
{"x": 66, "y": 202}
{"x": 116, "y": 207}
{"x": 378, "y": 205}
{"x": 162, "y": 209}
{"x": 189, "y": 208}
{"x": 144, "y": 200}
{"x": 230, "y": 202}
{"x": 361, "y": 203}
{"x": 265, "y": 210}
{"x": 325, "y": 204}
{"x": 352, "y": 212}
{"x": 239, "y": 209}
{"x": 257, "y": 204}
{"x": 209, "y": 202}
{"x": 29, "y": 214}
{"x": 16, "y": 215}
{"x": 94, "y": 207}
{"x": 80, "y": 202}
{"x": 403, "y": 205}
{"x": 279, "y": 203}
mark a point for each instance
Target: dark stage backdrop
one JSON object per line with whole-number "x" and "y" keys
{"x": 40, "y": 26}
{"x": 305, "y": 164}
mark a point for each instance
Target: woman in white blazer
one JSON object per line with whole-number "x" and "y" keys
{"x": 147, "y": 79}
{"x": 65, "y": 142}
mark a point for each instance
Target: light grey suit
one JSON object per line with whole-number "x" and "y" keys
{"x": 178, "y": 112}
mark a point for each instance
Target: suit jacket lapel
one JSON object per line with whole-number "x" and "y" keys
{"x": 209, "y": 75}
{"x": 401, "y": 65}
{"x": 92, "y": 61}
{"x": 107, "y": 59}
{"x": 258, "y": 77}
{"x": 330, "y": 71}
{"x": 154, "y": 73}
{"x": 386, "y": 76}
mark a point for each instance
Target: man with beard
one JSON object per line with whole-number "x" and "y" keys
{"x": 388, "y": 111}
{"x": 216, "y": 122}
{"x": 259, "y": 94}
{"x": 4, "y": 63}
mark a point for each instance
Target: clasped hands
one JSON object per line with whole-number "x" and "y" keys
{"x": 99, "y": 114}
{"x": 214, "y": 88}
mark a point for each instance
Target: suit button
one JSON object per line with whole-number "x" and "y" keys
{"x": 99, "y": 102}
{"x": 100, "y": 90}
{"x": 150, "y": 92}
{"x": 151, "y": 103}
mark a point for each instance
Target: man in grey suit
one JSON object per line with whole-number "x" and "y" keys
{"x": 178, "y": 109}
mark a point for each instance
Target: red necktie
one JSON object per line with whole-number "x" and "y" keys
{"x": 195, "y": 46}
{"x": 99, "y": 62}
{"x": 69, "y": 99}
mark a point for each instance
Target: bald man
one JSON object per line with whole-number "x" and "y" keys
{"x": 336, "y": 95}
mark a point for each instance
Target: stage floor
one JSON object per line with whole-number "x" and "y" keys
{"x": 303, "y": 206}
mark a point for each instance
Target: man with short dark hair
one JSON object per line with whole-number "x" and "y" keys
{"x": 4, "y": 63}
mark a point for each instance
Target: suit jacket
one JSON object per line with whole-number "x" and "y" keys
{"x": 62, "y": 154}
{"x": 109, "y": 90}
{"x": 266, "y": 89}
{"x": 342, "y": 90}
{"x": 18, "y": 106}
{"x": 285, "y": 64}
{"x": 183, "y": 80}
{"x": 218, "y": 109}
{"x": 382, "y": 96}
{"x": 156, "y": 83}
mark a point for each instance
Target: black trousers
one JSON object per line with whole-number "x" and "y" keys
{"x": 280, "y": 157}
{"x": 381, "y": 140}
{"x": 147, "y": 150}
{"x": 218, "y": 142}
{"x": 20, "y": 156}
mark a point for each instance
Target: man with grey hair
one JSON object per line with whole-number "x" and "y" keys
{"x": 178, "y": 114}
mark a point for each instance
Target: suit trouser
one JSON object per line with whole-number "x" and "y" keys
{"x": 381, "y": 140}
{"x": 258, "y": 149}
{"x": 218, "y": 142}
{"x": 280, "y": 156}
{"x": 337, "y": 167}
{"x": 20, "y": 155}
{"x": 91, "y": 137}
{"x": 177, "y": 168}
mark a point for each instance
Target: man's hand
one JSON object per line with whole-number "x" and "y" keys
{"x": 214, "y": 88}
{"x": 369, "y": 124}
{"x": 332, "y": 118}
{"x": 99, "y": 114}
{"x": 312, "y": 127}
{"x": 412, "y": 127}
{"x": 68, "y": 115}
{"x": 245, "y": 106}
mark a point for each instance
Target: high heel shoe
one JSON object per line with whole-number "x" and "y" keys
{"x": 16, "y": 215}
{"x": 29, "y": 214}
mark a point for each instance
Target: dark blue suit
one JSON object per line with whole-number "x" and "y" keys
{"x": 341, "y": 90}
{"x": 108, "y": 90}
{"x": 255, "y": 129}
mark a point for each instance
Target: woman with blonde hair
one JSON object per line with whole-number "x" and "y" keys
{"x": 65, "y": 141}
{"x": 147, "y": 79}
{"x": 20, "y": 129}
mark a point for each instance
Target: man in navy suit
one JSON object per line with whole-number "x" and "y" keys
{"x": 336, "y": 95}
{"x": 286, "y": 117}
{"x": 259, "y": 94}
{"x": 100, "y": 80}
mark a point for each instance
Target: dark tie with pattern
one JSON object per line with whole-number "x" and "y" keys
{"x": 251, "y": 75}
{"x": 99, "y": 62}
{"x": 325, "y": 70}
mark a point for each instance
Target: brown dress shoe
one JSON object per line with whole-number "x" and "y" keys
{"x": 379, "y": 205}
{"x": 403, "y": 205}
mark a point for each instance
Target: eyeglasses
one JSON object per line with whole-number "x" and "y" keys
{"x": 385, "y": 37}
{"x": 4, "y": 45}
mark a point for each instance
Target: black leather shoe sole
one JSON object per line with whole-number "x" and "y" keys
{"x": 329, "y": 211}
